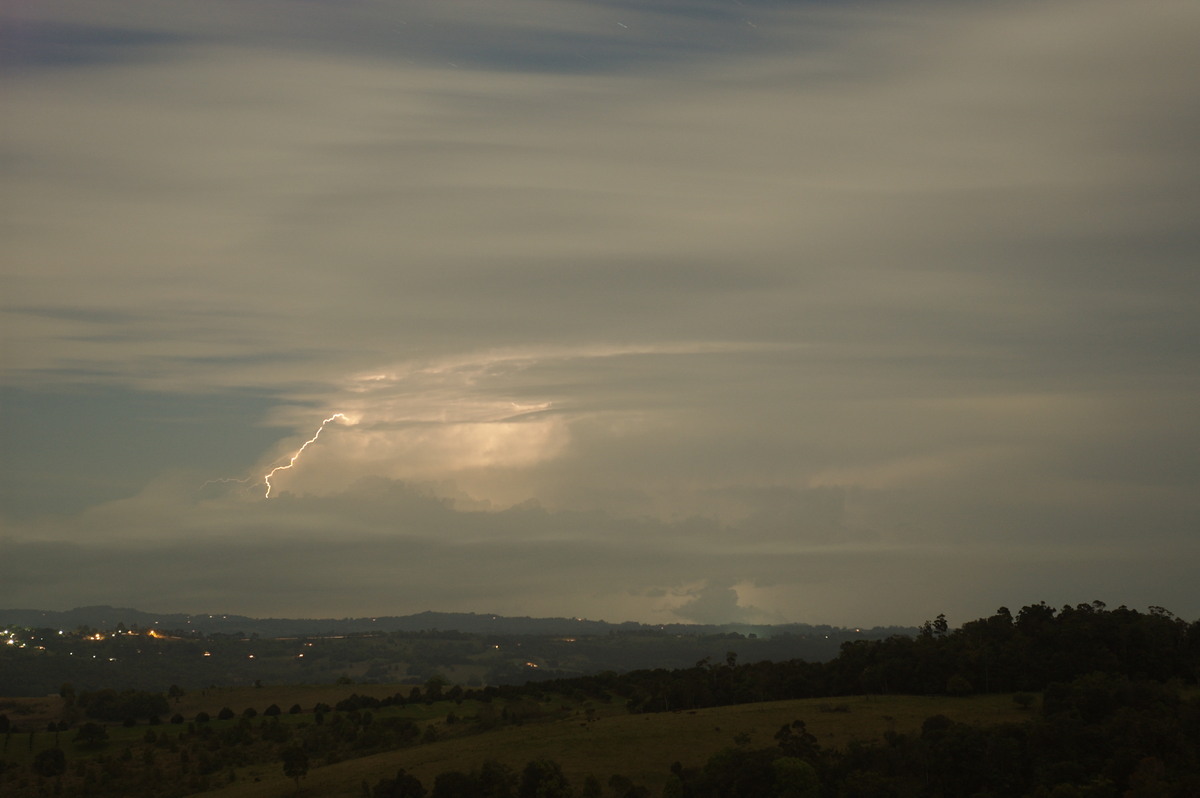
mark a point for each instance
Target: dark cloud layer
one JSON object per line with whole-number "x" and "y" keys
{"x": 46, "y": 44}
{"x": 390, "y": 545}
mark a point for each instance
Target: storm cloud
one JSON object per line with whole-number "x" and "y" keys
{"x": 773, "y": 311}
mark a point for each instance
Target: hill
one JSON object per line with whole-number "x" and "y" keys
{"x": 639, "y": 747}
{"x": 933, "y": 715}
{"x": 95, "y": 647}
{"x": 106, "y": 617}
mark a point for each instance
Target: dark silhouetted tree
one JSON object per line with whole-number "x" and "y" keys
{"x": 454, "y": 784}
{"x": 295, "y": 765}
{"x": 91, "y": 735}
{"x": 405, "y": 785}
{"x": 50, "y": 763}
{"x": 543, "y": 778}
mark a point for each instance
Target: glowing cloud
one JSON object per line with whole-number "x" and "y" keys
{"x": 300, "y": 451}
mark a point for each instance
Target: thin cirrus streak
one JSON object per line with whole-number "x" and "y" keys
{"x": 226, "y": 481}
{"x": 300, "y": 451}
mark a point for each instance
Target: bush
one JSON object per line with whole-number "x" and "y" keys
{"x": 49, "y": 763}
{"x": 957, "y": 685}
{"x": 91, "y": 735}
{"x": 114, "y": 706}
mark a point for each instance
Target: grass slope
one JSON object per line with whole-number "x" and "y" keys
{"x": 641, "y": 747}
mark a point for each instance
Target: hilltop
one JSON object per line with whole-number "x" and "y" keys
{"x": 106, "y": 617}
{"x": 96, "y": 647}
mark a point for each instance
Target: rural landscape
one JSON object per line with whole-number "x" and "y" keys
{"x": 599, "y": 399}
{"x": 1080, "y": 701}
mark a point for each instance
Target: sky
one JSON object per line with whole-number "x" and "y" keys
{"x": 673, "y": 310}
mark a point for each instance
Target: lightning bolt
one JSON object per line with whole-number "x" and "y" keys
{"x": 300, "y": 451}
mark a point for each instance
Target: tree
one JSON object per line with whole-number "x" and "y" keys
{"x": 796, "y": 741}
{"x": 176, "y": 692}
{"x": 108, "y": 704}
{"x": 795, "y": 778}
{"x": 67, "y": 691}
{"x": 495, "y": 780}
{"x": 434, "y": 686}
{"x": 623, "y": 787}
{"x": 404, "y": 785}
{"x": 740, "y": 773}
{"x": 543, "y": 778}
{"x": 940, "y": 626}
{"x": 295, "y": 765}
{"x": 50, "y": 763}
{"x": 454, "y": 784}
{"x": 958, "y": 685}
{"x": 91, "y": 735}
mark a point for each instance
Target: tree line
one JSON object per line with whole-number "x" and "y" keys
{"x": 1002, "y": 653}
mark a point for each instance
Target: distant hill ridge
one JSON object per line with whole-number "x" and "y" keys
{"x": 106, "y": 617}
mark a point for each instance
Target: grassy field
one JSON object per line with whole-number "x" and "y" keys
{"x": 31, "y": 715}
{"x": 32, "y": 712}
{"x": 641, "y": 747}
